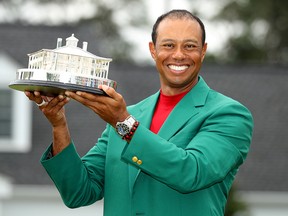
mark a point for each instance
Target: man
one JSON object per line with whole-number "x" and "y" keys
{"x": 174, "y": 153}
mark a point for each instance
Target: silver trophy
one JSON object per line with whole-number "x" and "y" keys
{"x": 53, "y": 71}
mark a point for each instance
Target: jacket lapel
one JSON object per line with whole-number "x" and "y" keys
{"x": 187, "y": 108}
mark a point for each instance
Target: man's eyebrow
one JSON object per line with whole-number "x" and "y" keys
{"x": 185, "y": 41}
{"x": 167, "y": 40}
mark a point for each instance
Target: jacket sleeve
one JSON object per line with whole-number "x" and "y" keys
{"x": 78, "y": 181}
{"x": 202, "y": 153}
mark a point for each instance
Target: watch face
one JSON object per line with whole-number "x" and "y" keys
{"x": 125, "y": 127}
{"x": 122, "y": 129}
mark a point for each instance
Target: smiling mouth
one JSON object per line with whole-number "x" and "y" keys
{"x": 178, "y": 68}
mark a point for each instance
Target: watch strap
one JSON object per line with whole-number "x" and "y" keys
{"x": 127, "y": 128}
{"x": 129, "y": 136}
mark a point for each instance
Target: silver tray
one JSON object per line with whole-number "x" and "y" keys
{"x": 51, "y": 84}
{"x": 51, "y": 88}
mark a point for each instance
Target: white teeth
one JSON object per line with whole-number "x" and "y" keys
{"x": 178, "y": 68}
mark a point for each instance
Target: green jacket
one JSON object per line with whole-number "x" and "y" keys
{"x": 186, "y": 169}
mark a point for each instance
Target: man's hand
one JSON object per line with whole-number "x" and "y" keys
{"x": 52, "y": 107}
{"x": 111, "y": 108}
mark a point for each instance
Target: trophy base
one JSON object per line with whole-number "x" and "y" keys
{"x": 51, "y": 89}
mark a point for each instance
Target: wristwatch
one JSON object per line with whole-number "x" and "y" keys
{"x": 124, "y": 128}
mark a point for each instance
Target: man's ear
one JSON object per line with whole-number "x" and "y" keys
{"x": 152, "y": 50}
{"x": 203, "y": 52}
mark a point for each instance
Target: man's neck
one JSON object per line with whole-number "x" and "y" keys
{"x": 170, "y": 91}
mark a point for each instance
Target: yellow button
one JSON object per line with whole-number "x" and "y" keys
{"x": 139, "y": 162}
{"x": 134, "y": 159}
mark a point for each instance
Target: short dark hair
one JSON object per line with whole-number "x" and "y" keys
{"x": 177, "y": 14}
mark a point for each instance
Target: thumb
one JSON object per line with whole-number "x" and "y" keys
{"x": 108, "y": 90}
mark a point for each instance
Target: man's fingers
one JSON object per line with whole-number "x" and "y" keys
{"x": 59, "y": 101}
{"x": 79, "y": 96}
{"x": 110, "y": 92}
{"x": 34, "y": 96}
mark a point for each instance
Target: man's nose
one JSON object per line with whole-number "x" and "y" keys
{"x": 178, "y": 54}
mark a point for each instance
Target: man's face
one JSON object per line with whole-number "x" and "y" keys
{"x": 178, "y": 54}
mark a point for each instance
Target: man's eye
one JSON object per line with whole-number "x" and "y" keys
{"x": 168, "y": 45}
{"x": 191, "y": 46}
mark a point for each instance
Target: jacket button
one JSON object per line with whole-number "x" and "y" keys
{"x": 134, "y": 159}
{"x": 139, "y": 162}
